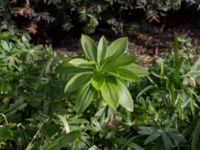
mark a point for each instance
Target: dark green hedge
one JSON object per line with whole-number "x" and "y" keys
{"x": 87, "y": 15}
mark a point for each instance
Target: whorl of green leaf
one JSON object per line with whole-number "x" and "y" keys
{"x": 105, "y": 71}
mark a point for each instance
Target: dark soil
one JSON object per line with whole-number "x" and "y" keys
{"x": 156, "y": 41}
{"x": 149, "y": 43}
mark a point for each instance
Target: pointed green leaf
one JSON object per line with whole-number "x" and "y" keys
{"x": 175, "y": 136}
{"x": 135, "y": 146}
{"x": 65, "y": 123}
{"x": 146, "y": 130}
{"x": 124, "y": 95}
{"x": 97, "y": 81}
{"x": 166, "y": 141}
{"x": 119, "y": 61}
{"x": 77, "y": 81}
{"x": 82, "y": 63}
{"x": 89, "y": 47}
{"x": 70, "y": 69}
{"x": 152, "y": 137}
{"x": 124, "y": 74}
{"x": 117, "y": 47}
{"x": 66, "y": 68}
{"x": 62, "y": 141}
{"x": 85, "y": 97}
{"x": 109, "y": 92}
{"x": 196, "y": 136}
{"x": 136, "y": 69}
{"x": 103, "y": 43}
{"x": 5, "y": 45}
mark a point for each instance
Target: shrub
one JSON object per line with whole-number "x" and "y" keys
{"x": 86, "y": 16}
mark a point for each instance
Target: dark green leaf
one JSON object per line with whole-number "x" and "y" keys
{"x": 152, "y": 137}
{"x": 196, "y": 136}
{"x": 175, "y": 136}
{"x": 5, "y": 133}
{"x": 63, "y": 141}
{"x": 146, "y": 130}
{"x": 166, "y": 141}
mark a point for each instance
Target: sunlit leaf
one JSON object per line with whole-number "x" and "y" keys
{"x": 77, "y": 81}
{"x": 124, "y": 95}
{"x": 85, "y": 97}
{"x": 118, "y": 47}
{"x": 89, "y": 47}
{"x": 102, "y": 49}
{"x": 125, "y": 74}
{"x": 109, "y": 91}
{"x": 97, "y": 81}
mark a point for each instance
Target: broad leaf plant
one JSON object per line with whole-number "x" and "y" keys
{"x": 103, "y": 74}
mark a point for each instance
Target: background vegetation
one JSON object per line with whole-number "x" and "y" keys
{"x": 48, "y": 19}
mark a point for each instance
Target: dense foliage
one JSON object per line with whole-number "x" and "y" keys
{"x": 35, "y": 113}
{"x": 87, "y": 15}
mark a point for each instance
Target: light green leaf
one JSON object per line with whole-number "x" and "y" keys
{"x": 77, "y": 81}
{"x": 81, "y": 63}
{"x": 103, "y": 43}
{"x": 65, "y": 123}
{"x": 136, "y": 69}
{"x": 89, "y": 47}
{"x": 109, "y": 91}
{"x": 4, "y": 35}
{"x": 5, "y": 45}
{"x": 125, "y": 74}
{"x": 119, "y": 61}
{"x": 97, "y": 81}
{"x": 117, "y": 47}
{"x": 67, "y": 68}
{"x": 85, "y": 97}
{"x": 124, "y": 95}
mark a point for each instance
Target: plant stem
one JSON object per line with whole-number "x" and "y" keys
{"x": 99, "y": 101}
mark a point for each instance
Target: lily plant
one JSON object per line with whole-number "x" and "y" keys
{"x": 104, "y": 74}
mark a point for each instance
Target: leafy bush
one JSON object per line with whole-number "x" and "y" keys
{"x": 169, "y": 100}
{"x": 85, "y": 16}
{"x": 35, "y": 113}
{"x": 27, "y": 80}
